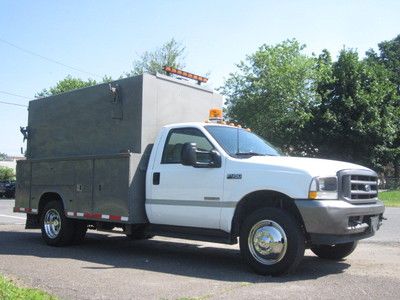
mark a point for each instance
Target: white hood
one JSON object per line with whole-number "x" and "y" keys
{"x": 312, "y": 166}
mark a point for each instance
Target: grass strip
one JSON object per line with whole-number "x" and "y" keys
{"x": 390, "y": 197}
{"x": 10, "y": 291}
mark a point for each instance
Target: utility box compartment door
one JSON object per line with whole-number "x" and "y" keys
{"x": 83, "y": 185}
{"x": 111, "y": 186}
{"x": 55, "y": 176}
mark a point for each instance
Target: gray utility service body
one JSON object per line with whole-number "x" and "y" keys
{"x": 91, "y": 146}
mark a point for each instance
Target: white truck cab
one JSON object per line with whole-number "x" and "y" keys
{"x": 204, "y": 174}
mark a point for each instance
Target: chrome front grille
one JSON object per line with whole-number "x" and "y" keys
{"x": 358, "y": 186}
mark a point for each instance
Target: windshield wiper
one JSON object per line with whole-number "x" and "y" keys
{"x": 249, "y": 154}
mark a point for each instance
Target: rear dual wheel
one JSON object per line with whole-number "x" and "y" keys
{"x": 57, "y": 229}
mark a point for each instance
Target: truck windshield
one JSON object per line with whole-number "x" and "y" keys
{"x": 238, "y": 142}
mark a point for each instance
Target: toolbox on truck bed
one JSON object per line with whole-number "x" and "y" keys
{"x": 92, "y": 145}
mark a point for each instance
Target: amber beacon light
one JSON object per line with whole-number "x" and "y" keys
{"x": 215, "y": 114}
{"x": 198, "y": 78}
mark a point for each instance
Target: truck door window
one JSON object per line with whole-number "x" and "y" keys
{"x": 175, "y": 140}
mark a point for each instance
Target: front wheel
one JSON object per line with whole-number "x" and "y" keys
{"x": 271, "y": 241}
{"x": 334, "y": 252}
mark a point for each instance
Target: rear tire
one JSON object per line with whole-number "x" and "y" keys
{"x": 57, "y": 229}
{"x": 334, "y": 252}
{"x": 271, "y": 242}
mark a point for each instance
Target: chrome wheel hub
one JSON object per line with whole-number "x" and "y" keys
{"x": 267, "y": 242}
{"x": 52, "y": 223}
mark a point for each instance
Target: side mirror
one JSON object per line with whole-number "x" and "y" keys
{"x": 189, "y": 157}
{"x": 188, "y": 154}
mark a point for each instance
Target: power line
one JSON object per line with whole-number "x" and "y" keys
{"x": 15, "y": 104}
{"x": 16, "y": 95}
{"x": 48, "y": 59}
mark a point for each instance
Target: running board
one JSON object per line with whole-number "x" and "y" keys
{"x": 191, "y": 233}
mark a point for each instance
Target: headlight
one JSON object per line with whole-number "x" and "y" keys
{"x": 323, "y": 188}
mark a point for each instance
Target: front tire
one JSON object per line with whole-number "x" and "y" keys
{"x": 334, "y": 252}
{"x": 57, "y": 229}
{"x": 271, "y": 242}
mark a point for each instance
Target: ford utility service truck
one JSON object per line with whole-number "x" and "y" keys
{"x": 129, "y": 157}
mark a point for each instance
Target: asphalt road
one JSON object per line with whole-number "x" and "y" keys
{"x": 109, "y": 266}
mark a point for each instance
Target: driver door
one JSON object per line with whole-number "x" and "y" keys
{"x": 185, "y": 195}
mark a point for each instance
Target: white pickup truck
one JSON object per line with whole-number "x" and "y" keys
{"x": 196, "y": 180}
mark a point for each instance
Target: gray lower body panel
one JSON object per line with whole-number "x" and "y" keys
{"x": 329, "y": 221}
{"x": 107, "y": 188}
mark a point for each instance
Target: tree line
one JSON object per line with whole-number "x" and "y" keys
{"x": 170, "y": 54}
{"x": 311, "y": 105}
{"x": 6, "y": 173}
{"x": 307, "y": 105}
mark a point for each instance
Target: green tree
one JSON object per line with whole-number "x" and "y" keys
{"x": 272, "y": 93}
{"x": 346, "y": 110}
{"x": 3, "y": 156}
{"x": 67, "y": 84}
{"x": 356, "y": 117}
{"x": 6, "y": 173}
{"x": 170, "y": 54}
{"x": 389, "y": 56}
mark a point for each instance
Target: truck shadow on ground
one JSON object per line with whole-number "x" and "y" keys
{"x": 193, "y": 259}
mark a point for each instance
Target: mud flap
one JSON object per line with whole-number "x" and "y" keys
{"x": 32, "y": 222}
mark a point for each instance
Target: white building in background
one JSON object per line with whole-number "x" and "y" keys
{"x": 11, "y": 162}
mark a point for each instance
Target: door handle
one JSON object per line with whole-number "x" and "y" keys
{"x": 156, "y": 178}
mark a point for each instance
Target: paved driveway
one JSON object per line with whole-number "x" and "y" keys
{"x": 6, "y": 213}
{"x": 109, "y": 266}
